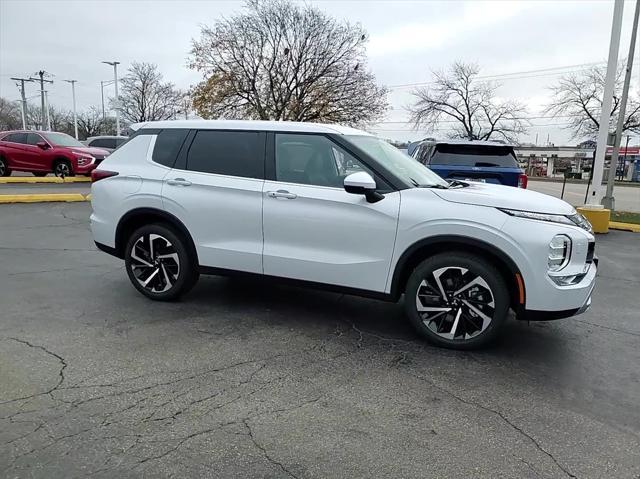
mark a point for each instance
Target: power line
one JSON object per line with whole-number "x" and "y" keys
{"x": 561, "y": 70}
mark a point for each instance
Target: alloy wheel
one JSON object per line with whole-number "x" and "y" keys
{"x": 3, "y": 168}
{"x": 455, "y": 303}
{"x": 62, "y": 170}
{"x": 155, "y": 263}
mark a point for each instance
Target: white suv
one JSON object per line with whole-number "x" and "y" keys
{"x": 335, "y": 207}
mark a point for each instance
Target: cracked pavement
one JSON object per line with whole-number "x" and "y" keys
{"x": 247, "y": 379}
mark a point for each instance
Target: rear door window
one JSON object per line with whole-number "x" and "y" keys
{"x": 231, "y": 153}
{"x": 168, "y": 144}
{"x": 16, "y": 138}
{"x": 474, "y": 155}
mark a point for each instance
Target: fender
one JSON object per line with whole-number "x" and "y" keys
{"x": 130, "y": 221}
{"x": 443, "y": 243}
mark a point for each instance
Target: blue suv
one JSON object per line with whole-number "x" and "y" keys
{"x": 484, "y": 161}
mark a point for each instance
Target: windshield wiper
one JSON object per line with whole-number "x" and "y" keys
{"x": 436, "y": 186}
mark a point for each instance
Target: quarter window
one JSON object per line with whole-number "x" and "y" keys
{"x": 232, "y": 153}
{"x": 168, "y": 144}
{"x": 313, "y": 160}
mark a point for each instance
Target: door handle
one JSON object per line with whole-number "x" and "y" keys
{"x": 282, "y": 194}
{"x": 179, "y": 182}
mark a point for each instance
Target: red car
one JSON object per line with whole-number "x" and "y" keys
{"x": 42, "y": 152}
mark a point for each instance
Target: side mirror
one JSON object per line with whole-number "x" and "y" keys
{"x": 43, "y": 145}
{"x": 361, "y": 183}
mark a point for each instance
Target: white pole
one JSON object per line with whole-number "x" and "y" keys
{"x": 117, "y": 100}
{"x": 115, "y": 78}
{"x": 73, "y": 93}
{"x": 609, "y": 200}
{"x": 597, "y": 193}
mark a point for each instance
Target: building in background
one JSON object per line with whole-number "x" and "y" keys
{"x": 554, "y": 161}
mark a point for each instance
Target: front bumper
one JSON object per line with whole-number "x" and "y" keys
{"x": 578, "y": 297}
{"x": 86, "y": 169}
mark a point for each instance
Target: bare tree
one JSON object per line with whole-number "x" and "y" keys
{"x": 10, "y": 116}
{"x": 60, "y": 119}
{"x": 90, "y": 123}
{"x": 458, "y": 97}
{"x": 578, "y": 96}
{"x": 285, "y": 61}
{"x": 145, "y": 97}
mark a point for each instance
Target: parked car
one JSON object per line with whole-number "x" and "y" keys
{"x": 334, "y": 207}
{"x": 42, "y": 152}
{"x": 488, "y": 162}
{"x": 108, "y": 143}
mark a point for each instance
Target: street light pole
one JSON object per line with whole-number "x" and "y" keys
{"x": 609, "y": 201}
{"x": 102, "y": 95}
{"x": 594, "y": 200}
{"x": 73, "y": 93}
{"x": 115, "y": 79}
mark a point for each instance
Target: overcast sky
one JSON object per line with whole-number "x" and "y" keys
{"x": 408, "y": 39}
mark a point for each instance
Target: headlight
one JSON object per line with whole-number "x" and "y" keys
{"x": 572, "y": 220}
{"x": 83, "y": 160}
{"x": 581, "y": 221}
{"x": 559, "y": 252}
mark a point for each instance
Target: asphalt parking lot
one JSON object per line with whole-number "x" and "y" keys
{"x": 246, "y": 379}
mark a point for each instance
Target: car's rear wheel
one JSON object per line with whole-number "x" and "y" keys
{"x": 159, "y": 264}
{"x": 4, "y": 168}
{"x": 457, "y": 300}
{"x": 62, "y": 169}
{"x": 39, "y": 173}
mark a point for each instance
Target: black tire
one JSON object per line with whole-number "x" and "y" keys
{"x": 63, "y": 168}
{"x": 163, "y": 270}
{"x": 475, "y": 300}
{"x": 4, "y": 167}
{"x": 39, "y": 174}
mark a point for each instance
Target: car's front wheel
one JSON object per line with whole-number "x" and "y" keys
{"x": 62, "y": 169}
{"x": 159, "y": 264}
{"x": 457, "y": 300}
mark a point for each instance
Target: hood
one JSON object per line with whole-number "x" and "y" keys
{"x": 499, "y": 196}
{"x": 95, "y": 152}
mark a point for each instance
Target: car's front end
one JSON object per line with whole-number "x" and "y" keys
{"x": 552, "y": 245}
{"x": 561, "y": 248}
{"x": 85, "y": 160}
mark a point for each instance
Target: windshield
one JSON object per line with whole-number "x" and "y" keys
{"x": 62, "y": 139}
{"x": 474, "y": 155}
{"x": 398, "y": 163}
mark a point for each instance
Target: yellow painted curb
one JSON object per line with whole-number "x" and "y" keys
{"x": 615, "y": 225}
{"x": 44, "y": 179}
{"x": 44, "y": 198}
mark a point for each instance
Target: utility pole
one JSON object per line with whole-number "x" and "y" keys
{"x": 607, "y": 99}
{"x": 75, "y": 118}
{"x": 609, "y": 200}
{"x": 42, "y": 81}
{"x": 23, "y": 103}
{"x": 46, "y": 102}
{"x": 115, "y": 80}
